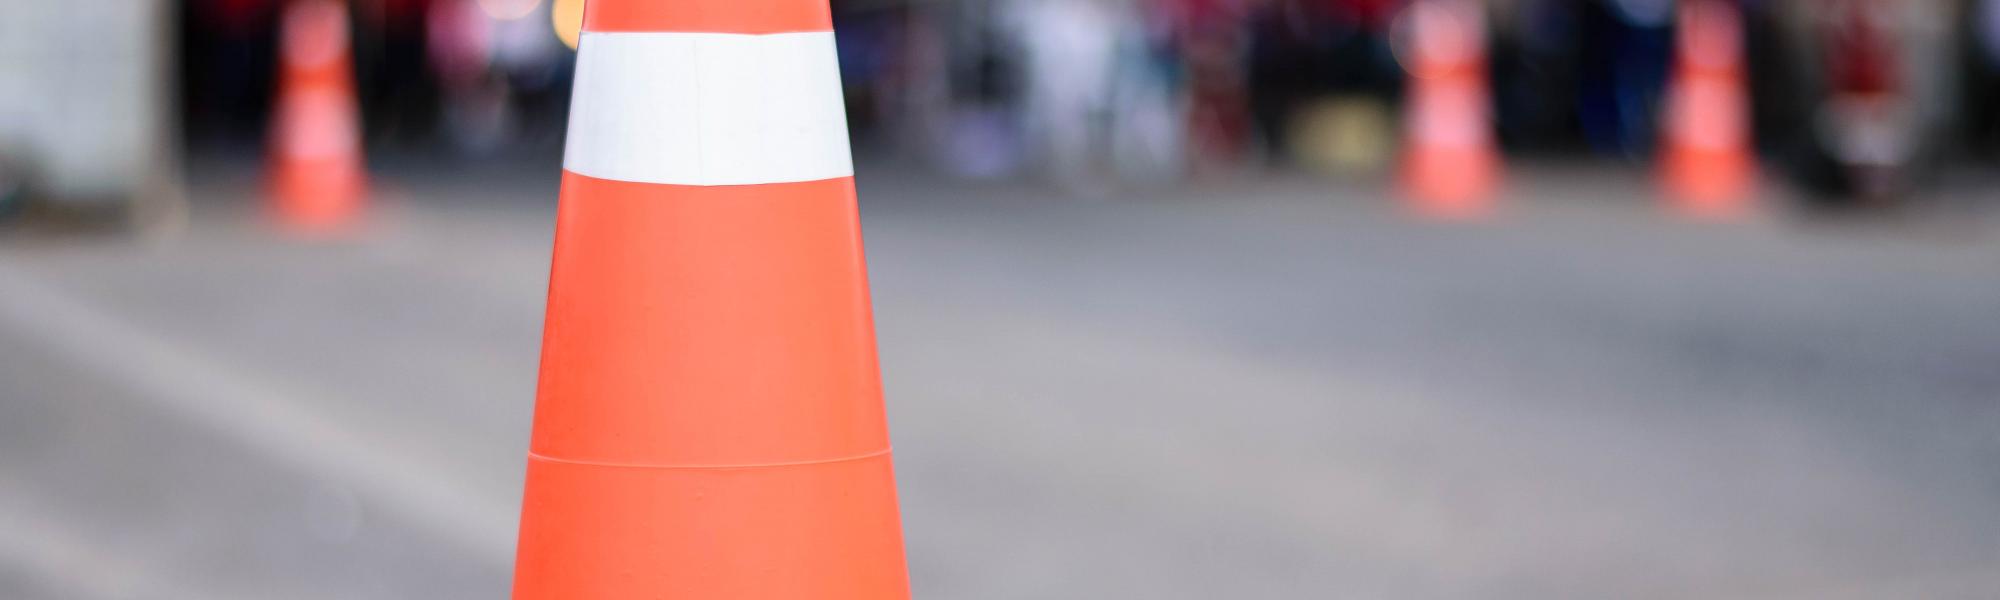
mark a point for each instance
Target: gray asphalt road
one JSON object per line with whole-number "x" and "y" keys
{"x": 1270, "y": 388}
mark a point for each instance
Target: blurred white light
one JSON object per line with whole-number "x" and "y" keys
{"x": 508, "y": 10}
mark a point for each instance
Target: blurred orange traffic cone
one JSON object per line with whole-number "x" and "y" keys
{"x": 317, "y": 179}
{"x": 1450, "y": 163}
{"x": 709, "y": 422}
{"x": 1706, "y": 163}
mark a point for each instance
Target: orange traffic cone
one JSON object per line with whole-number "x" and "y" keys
{"x": 1706, "y": 163}
{"x": 709, "y": 422}
{"x": 317, "y": 180}
{"x": 1451, "y": 165}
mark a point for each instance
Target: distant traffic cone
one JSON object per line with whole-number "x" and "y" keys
{"x": 1451, "y": 165}
{"x": 1706, "y": 163}
{"x": 317, "y": 179}
{"x": 709, "y": 422}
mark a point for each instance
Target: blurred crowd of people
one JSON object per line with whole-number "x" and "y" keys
{"x": 1848, "y": 96}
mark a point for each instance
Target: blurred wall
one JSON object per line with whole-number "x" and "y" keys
{"x": 84, "y": 112}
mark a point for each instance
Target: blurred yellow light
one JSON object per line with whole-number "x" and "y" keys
{"x": 508, "y": 10}
{"x": 568, "y": 18}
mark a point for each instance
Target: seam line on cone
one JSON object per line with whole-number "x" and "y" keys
{"x": 694, "y": 467}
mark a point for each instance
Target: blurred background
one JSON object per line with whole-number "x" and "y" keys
{"x": 1176, "y": 298}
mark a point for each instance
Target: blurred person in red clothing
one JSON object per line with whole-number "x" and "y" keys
{"x": 1211, "y": 39}
{"x": 1865, "y": 120}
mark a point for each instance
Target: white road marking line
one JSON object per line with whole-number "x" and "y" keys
{"x": 268, "y": 419}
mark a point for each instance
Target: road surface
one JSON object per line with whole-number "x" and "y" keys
{"x": 1268, "y": 387}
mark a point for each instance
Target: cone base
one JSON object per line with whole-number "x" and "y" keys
{"x": 317, "y": 198}
{"x": 1709, "y": 188}
{"x": 826, "y": 530}
{"x": 1451, "y": 186}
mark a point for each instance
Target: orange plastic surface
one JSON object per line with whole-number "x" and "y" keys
{"x": 1451, "y": 167}
{"x": 709, "y": 422}
{"x": 732, "y": 16}
{"x": 825, "y": 531}
{"x": 315, "y": 172}
{"x": 708, "y": 325}
{"x": 1707, "y": 165}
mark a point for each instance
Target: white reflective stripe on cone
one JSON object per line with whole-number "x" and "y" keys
{"x": 707, "y": 108}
